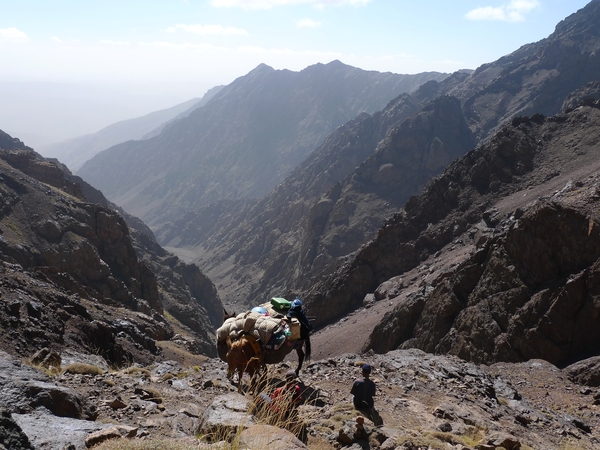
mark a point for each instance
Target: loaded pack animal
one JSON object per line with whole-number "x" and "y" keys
{"x": 244, "y": 353}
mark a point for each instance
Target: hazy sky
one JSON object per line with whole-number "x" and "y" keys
{"x": 128, "y": 57}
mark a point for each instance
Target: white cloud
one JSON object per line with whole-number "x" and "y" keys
{"x": 208, "y": 30}
{"x": 307, "y": 23}
{"x": 55, "y": 39}
{"x": 268, "y": 4}
{"x": 512, "y": 12}
{"x": 109, "y": 42}
{"x": 185, "y": 46}
{"x": 12, "y": 35}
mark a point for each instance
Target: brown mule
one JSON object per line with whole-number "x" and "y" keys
{"x": 244, "y": 356}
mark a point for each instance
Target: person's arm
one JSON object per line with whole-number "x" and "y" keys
{"x": 372, "y": 389}
{"x": 297, "y": 397}
{"x": 276, "y": 393}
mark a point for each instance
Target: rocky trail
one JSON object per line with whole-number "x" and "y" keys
{"x": 426, "y": 402}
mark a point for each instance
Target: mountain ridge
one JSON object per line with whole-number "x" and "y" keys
{"x": 278, "y": 117}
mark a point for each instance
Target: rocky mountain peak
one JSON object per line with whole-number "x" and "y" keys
{"x": 582, "y": 22}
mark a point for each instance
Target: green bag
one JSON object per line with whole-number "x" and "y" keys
{"x": 280, "y": 303}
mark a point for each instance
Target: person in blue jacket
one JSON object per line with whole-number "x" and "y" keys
{"x": 296, "y": 311}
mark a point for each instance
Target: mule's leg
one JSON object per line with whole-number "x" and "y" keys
{"x": 300, "y": 354}
{"x": 240, "y": 375}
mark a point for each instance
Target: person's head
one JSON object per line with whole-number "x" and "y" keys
{"x": 296, "y": 304}
{"x": 290, "y": 376}
{"x": 366, "y": 370}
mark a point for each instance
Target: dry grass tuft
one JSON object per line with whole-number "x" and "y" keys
{"x": 423, "y": 441}
{"x": 51, "y": 371}
{"x": 474, "y": 435}
{"x": 155, "y": 444}
{"x": 167, "y": 376}
{"x": 571, "y": 444}
{"x": 137, "y": 371}
{"x": 83, "y": 369}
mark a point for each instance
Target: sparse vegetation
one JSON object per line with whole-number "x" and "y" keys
{"x": 154, "y": 444}
{"x": 137, "y": 371}
{"x": 167, "y": 376}
{"x": 83, "y": 369}
{"x": 51, "y": 371}
{"x": 571, "y": 444}
{"x": 428, "y": 441}
{"x": 474, "y": 436}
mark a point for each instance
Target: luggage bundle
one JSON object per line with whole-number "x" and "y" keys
{"x": 267, "y": 324}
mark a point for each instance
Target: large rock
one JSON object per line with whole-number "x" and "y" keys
{"x": 585, "y": 372}
{"x": 269, "y": 437}
{"x": 11, "y": 435}
{"x": 47, "y": 431}
{"x": 23, "y": 389}
{"x": 226, "y": 415}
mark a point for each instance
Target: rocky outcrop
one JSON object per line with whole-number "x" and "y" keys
{"x": 11, "y": 435}
{"x": 25, "y": 389}
{"x": 527, "y": 288}
{"x": 42, "y": 227}
{"x": 51, "y": 232}
{"x": 585, "y": 372}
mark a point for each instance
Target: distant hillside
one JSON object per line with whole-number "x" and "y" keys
{"x": 75, "y": 152}
{"x": 244, "y": 142}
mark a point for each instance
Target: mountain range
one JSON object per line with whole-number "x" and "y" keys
{"x": 340, "y": 196}
{"x": 252, "y": 134}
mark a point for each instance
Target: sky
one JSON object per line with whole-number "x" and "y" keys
{"x": 71, "y": 67}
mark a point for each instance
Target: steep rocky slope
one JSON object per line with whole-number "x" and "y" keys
{"x": 70, "y": 265}
{"x": 244, "y": 142}
{"x": 537, "y": 77}
{"x": 521, "y": 209}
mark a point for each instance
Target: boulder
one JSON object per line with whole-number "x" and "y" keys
{"x": 226, "y": 415}
{"x": 11, "y": 435}
{"x": 25, "y": 389}
{"x": 585, "y": 372}
{"x": 46, "y": 358}
{"x": 269, "y": 437}
{"x": 47, "y": 431}
{"x": 116, "y": 432}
